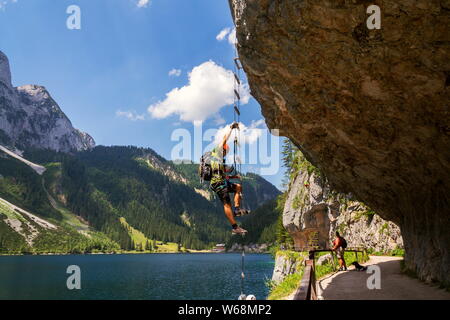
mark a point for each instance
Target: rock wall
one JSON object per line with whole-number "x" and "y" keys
{"x": 29, "y": 117}
{"x": 368, "y": 107}
{"x": 287, "y": 263}
{"x": 313, "y": 213}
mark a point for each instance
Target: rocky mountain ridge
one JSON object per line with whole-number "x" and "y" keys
{"x": 29, "y": 117}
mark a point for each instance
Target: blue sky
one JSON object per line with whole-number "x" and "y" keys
{"x": 111, "y": 77}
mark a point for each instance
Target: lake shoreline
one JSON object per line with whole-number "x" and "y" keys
{"x": 122, "y": 253}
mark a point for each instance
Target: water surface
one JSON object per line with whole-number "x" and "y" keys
{"x": 135, "y": 276}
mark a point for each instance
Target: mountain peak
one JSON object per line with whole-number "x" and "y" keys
{"x": 34, "y": 91}
{"x": 29, "y": 117}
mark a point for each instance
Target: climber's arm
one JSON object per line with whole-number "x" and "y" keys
{"x": 228, "y": 134}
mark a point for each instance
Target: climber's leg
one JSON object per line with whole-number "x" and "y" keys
{"x": 229, "y": 213}
{"x": 237, "y": 195}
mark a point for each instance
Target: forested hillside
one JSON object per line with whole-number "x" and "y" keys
{"x": 115, "y": 198}
{"x": 118, "y": 182}
{"x": 45, "y": 229}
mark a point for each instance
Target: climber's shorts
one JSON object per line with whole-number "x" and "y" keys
{"x": 223, "y": 190}
{"x": 340, "y": 253}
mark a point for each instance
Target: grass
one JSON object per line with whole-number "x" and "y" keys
{"x": 397, "y": 252}
{"x": 72, "y": 220}
{"x": 167, "y": 247}
{"x": 9, "y": 212}
{"x": 137, "y": 236}
{"x": 286, "y": 287}
{"x": 324, "y": 270}
{"x": 141, "y": 240}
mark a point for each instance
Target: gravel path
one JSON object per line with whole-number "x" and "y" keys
{"x": 351, "y": 285}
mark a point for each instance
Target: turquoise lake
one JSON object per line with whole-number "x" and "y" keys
{"x": 136, "y": 276}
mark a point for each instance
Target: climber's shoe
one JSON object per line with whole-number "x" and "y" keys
{"x": 239, "y": 230}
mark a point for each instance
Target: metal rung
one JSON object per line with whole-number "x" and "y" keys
{"x": 238, "y": 65}
{"x": 237, "y": 110}
{"x": 237, "y": 94}
{"x": 237, "y": 78}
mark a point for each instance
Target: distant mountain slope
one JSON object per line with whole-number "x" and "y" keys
{"x": 98, "y": 189}
{"x": 20, "y": 220}
{"x": 256, "y": 189}
{"x": 30, "y": 224}
{"x": 108, "y": 183}
{"x": 29, "y": 117}
{"x": 24, "y": 232}
{"x": 156, "y": 202}
{"x": 21, "y": 186}
{"x": 38, "y": 168}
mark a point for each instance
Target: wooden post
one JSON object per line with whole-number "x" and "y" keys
{"x": 311, "y": 281}
{"x": 303, "y": 291}
{"x": 313, "y": 293}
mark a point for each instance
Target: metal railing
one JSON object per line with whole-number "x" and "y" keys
{"x": 308, "y": 288}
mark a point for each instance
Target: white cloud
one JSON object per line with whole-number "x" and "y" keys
{"x": 232, "y": 37}
{"x": 130, "y": 115}
{"x": 223, "y": 34}
{"x": 143, "y": 3}
{"x": 248, "y": 135}
{"x": 218, "y": 120}
{"x": 231, "y": 33}
{"x": 210, "y": 88}
{"x": 175, "y": 72}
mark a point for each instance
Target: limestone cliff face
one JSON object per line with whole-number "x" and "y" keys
{"x": 29, "y": 117}
{"x": 313, "y": 213}
{"x": 370, "y": 108}
{"x": 287, "y": 263}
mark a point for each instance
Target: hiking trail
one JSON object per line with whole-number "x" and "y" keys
{"x": 351, "y": 284}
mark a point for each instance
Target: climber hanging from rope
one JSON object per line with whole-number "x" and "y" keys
{"x": 220, "y": 181}
{"x": 213, "y": 168}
